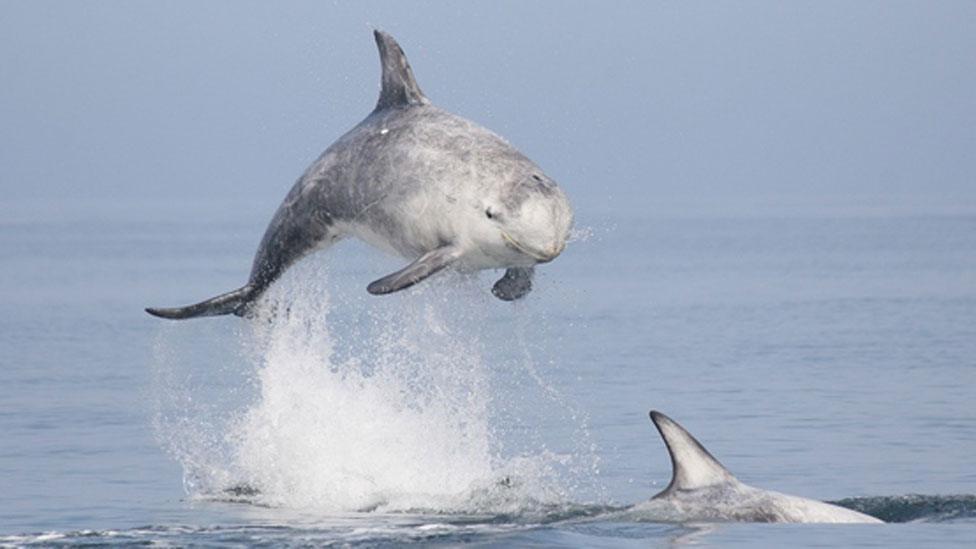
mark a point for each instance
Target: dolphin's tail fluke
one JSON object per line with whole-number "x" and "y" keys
{"x": 235, "y": 302}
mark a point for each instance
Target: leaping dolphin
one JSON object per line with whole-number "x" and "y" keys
{"x": 702, "y": 490}
{"x": 419, "y": 182}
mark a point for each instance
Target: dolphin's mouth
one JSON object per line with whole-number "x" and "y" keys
{"x": 540, "y": 256}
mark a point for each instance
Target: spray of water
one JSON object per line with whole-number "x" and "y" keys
{"x": 358, "y": 404}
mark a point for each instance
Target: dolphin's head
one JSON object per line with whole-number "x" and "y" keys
{"x": 527, "y": 221}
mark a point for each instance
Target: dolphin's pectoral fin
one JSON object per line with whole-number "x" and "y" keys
{"x": 516, "y": 283}
{"x": 428, "y": 264}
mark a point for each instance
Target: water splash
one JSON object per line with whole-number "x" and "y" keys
{"x": 356, "y": 404}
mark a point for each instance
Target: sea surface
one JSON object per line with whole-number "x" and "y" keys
{"x": 828, "y": 353}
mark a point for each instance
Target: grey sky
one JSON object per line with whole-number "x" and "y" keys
{"x": 628, "y": 104}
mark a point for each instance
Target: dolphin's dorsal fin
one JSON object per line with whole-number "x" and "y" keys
{"x": 693, "y": 467}
{"x": 399, "y": 87}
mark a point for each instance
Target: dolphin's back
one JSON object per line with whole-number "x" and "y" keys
{"x": 702, "y": 489}
{"x": 798, "y": 509}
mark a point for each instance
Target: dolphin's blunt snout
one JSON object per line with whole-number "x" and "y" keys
{"x": 552, "y": 253}
{"x": 542, "y": 256}
{"x": 558, "y": 247}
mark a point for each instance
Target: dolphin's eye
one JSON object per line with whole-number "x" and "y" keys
{"x": 489, "y": 214}
{"x": 536, "y": 177}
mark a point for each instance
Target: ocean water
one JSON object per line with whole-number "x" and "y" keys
{"x": 829, "y": 354}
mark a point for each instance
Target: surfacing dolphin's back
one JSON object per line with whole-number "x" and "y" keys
{"x": 701, "y": 489}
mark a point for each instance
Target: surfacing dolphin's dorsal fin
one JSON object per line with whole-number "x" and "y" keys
{"x": 400, "y": 89}
{"x": 692, "y": 466}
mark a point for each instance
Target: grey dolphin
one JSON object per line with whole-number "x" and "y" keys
{"x": 419, "y": 182}
{"x": 702, "y": 490}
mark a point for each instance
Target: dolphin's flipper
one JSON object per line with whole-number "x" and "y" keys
{"x": 693, "y": 467}
{"x": 516, "y": 283}
{"x": 235, "y": 302}
{"x": 427, "y": 265}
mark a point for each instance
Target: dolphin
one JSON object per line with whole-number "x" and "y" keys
{"x": 702, "y": 490}
{"x": 421, "y": 183}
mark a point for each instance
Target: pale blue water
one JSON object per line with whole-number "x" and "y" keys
{"x": 828, "y": 354}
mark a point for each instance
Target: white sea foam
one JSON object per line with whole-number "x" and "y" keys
{"x": 362, "y": 404}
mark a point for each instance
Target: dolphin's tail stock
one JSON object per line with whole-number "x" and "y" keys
{"x": 236, "y": 302}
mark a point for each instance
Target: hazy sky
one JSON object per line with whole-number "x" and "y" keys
{"x": 633, "y": 105}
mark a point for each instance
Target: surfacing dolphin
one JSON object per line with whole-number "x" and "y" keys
{"x": 419, "y": 182}
{"x": 702, "y": 490}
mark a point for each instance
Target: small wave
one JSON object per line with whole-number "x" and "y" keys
{"x": 412, "y": 530}
{"x": 892, "y": 509}
{"x": 914, "y": 507}
{"x": 432, "y": 526}
{"x": 505, "y": 501}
